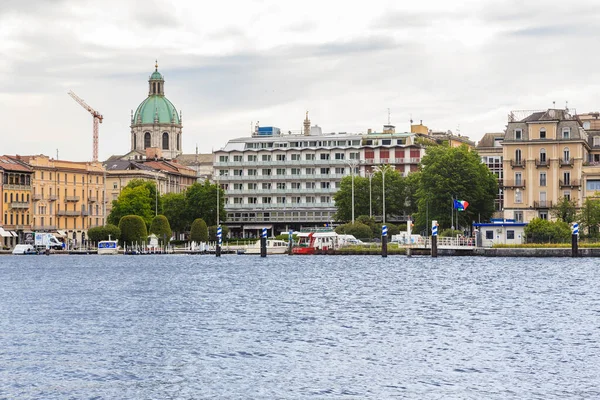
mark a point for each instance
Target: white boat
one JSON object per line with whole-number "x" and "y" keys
{"x": 24, "y": 249}
{"x": 274, "y": 246}
{"x": 108, "y": 247}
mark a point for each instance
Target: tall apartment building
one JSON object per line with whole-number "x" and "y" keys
{"x": 544, "y": 153}
{"x": 287, "y": 181}
{"x": 15, "y": 200}
{"x": 67, "y": 197}
{"x": 490, "y": 151}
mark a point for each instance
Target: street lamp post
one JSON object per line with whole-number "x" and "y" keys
{"x": 156, "y": 199}
{"x": 352, "y": 164}
{"x": 370, "y": 175}
{"x": 383, "y": 170}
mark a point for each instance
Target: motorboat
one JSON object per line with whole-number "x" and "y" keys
{"x": 274, "y": 246}
{"x": 108, "y": 247}
{"x": 310, "y": 242}
{"x": 24, "y": 249}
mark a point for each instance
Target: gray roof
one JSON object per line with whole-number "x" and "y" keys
{"x": 126, "y": 165}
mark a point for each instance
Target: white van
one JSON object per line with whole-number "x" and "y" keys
{"x": 24, "y": 249}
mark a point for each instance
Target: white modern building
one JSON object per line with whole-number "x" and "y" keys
{"x": 287, "y": 181}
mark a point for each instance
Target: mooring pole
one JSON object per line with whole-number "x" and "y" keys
{"x": 384, "y": 236}
{"x": 290, "y": 241}
{"x": 574, "y": 237}
{"x": 219, "y": 241}
{"x": 434, "y": 234}
{"x": 263, "y": 243}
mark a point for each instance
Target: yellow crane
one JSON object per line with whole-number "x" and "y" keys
{"x": 97, "y": 118}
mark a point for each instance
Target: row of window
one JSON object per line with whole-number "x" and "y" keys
{"x": 543, "y": 159}
{"x": 281, "y": 200}
{"x": 165, "y": 141}
{"x": 566, "y": 133}
{"x": 43, "y": 209}
{"x": 283, "y": 185}
{"x": 284, "y": 171}
{"x": 9, "y": 178}
{"x": 14, "y": 219}
{"x": 24, "y": 197}
{"x": 41, "y": 176}
{"x": 306, "y": 143}
{"x": 293, "y": 157}
{"x": 542, "y": 197}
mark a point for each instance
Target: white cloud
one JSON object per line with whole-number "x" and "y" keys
{"x": 228, "y": 63}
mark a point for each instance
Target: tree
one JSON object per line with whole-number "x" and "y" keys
{"x": 589, "y": 216}
{"x": 565, "y": 210}
{"x": 199, "y": 231}
{"x": 174, "y": 208}
{"x": 106, "y": 232}
{"x": 133, "y": 229}
{"x": 357, "y": 229}
{"x": 161, "y": 228}
{"x": 201, "y": 202}
{"x": 541, "y": 231}
{"x": 395, "y": 195}
{"x": 454, "y": 173}
{"x": 137, "y": 198}
{"x": 212, "y": 232}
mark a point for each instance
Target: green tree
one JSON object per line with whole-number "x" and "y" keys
{"x": 109, "y": 231}
{"x": 212, "y": 232}
{"x": 161, "y": 228}
{"x": 201, "y": 202}
{"x": 199, "y": 231}
{"x": 174, "y": 207}
{"x": 589, "y": 216}
{"x": 357, "y": 229}
{"x": 565, "y": 210}
{"x": 137, "y": 198}
{"x": 542, "y": 231}
{"x": 454, "y": 173}
{"x": 133, "y": 229}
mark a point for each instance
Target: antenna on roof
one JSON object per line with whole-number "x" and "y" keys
{"x": 389, "y": 117}
{"x": 567, "y": 105}
{"x": 411, "y": 120}
{"x": 553, "y": 104}
{"x": 57, "y": 154}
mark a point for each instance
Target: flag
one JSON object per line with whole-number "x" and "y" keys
{"x": 461, "y": 205}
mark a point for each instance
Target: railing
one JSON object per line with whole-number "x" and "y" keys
{"x": 72, "y": 198}
{"x": 20, "y": 205}
{"x": 92, "y": 199}
{"x": 68, "y": 213}
{"x": 566, "y": 163}
{"x": 17, "y": 187}
{"x": 36, "y": 196}
{"x": 570, "y": 183}
{"x": 541, "y": 163}
{"x": 52, "y": 197}
{"x": 542, "y": 204}
{"x": 44, "y": 227}
{"x": 514, "y": 184}
{"x": 517, "y": 163}
{"x": 464, "y": 242}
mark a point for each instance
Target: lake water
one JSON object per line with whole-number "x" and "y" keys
{"x": 320, "y": 327}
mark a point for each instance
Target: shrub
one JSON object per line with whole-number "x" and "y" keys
{"x": 133, "y": 229}
{"x": 161, "y": 228}
{"x": 199, "y": 231}
{"x": 358, "y": 230}
{"x": 542, "y": 231}
{"x": 106, "y": 232}
{"x": 450, "y": 233}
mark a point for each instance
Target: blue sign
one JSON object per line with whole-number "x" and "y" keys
{"x": 575, "y": 228}
{"x": 434, "y": 228}
{"x": 384, "y": 230}
{"x": 107, "y": 245}
{"x": 220, "y": 234}
{"x": 264, "y": 232}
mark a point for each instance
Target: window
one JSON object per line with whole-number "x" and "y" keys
{"x": 309, "y": 157}
{"x": 543, "y": 214}
{"x": 266, "y": 157}
{"x": 296, "y": 200}
{"x": 596, "y": 141}
{"x": 324, "y": 156}
{"x": 566, "y": 155}
{"x": 489, "y": 235}
{"x": 518, "y": 216}
{"x": 510, "y": 234}
{"x": 223, "y": 172}
{"x": 325, "y": 171}
{"x": 518, "y": 178}
{"x": 266, "y": 186}
{"x": 518, "y": 156}
{"x": 542, "y": 179}
{"x": 340, "y": 170}
{"x": 266, "y": 171}
{"x": 567, "y": 195}
{"x": 310, "y": 185}
{"x": 237, "y": 158}
{"x": 238, "y": 186}
{"x": 147, "y": 142}
{"x": 295, "y": 157}
{"x": 280, "y": 171}
{"x": 566, "y": 133}
{"x": 567, "y": 178}
{"x": 223, "y": 158}
{"x": 518, "y": 196}
{"x": 281, "y": 200}
{"x": 280, "y": 157}
{"x": 165, "y": 141}
{"x": 310, "y": 171}
{"x": 267, "y": 200}
{"x": 252, "y": 186}
{"x": 252, "y": 200}
{"x": 295, "y": 171}
{"x": 325, "y": 199}
{"x": 354, "y": 156}
{"x": 252, "y": 172}
{"x": 281, "y": 186}
{"x": 339, "y": 156}
{"x": 310, "y": 199}
{"x": 542, "y": 156}
{"x": 386, "y": 142}
{"x": 542, "y": 133}
{"x": 518, "y": 134}
{"x": 252, "y": 157}
{"x": 238, "y": 172}
{"x": 237, "y": 200}
{"x": 295, "y": 185}
{"x": 178, "y": 141}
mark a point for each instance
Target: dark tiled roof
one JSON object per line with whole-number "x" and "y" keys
{"x": 489, "y": 139}
{"x": 8, "y": 163}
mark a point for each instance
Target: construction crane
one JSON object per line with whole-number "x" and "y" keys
{"x": 97, "y": 118}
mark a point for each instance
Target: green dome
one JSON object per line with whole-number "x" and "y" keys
{"x": 153, "y": 105}
{"x": 156, "y": 76}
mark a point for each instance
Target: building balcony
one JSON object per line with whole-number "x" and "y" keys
{"x": 517, "y": 163}
{"x": 571, "y": 183}
{"x": 36, "y": 196}
{"x": 542, "y": 163}
{"x": 278, "y": 206}
{"x": 566, "y": 163}
{"x": 72, "y": 198}
{"x": 19, "y": 205}
{"x": 68, "y": 213}
{"x": 92, "y": 199}
{"x": 85, "y": 213}
{"x": 44, "y": 227}
{"x": 542, "y": 204}
{"x": 16, "y": 187}
{"x": 514, "y": 184}
{"x": 52, "y": 197}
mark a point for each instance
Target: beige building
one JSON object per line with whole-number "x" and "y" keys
{"x": 544, "y": 153}
{"x": 15, "y": 200}
{"x": 67, "y": 196}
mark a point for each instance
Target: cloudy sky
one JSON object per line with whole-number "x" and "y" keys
{"x": 459, "y": 65}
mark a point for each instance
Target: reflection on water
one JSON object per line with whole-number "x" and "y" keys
{"x": 298, "y": 327}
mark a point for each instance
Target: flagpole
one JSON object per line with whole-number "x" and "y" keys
{"x": 452, "y": 214}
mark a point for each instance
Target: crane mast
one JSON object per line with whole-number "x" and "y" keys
{"x": 97, "y": 119}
